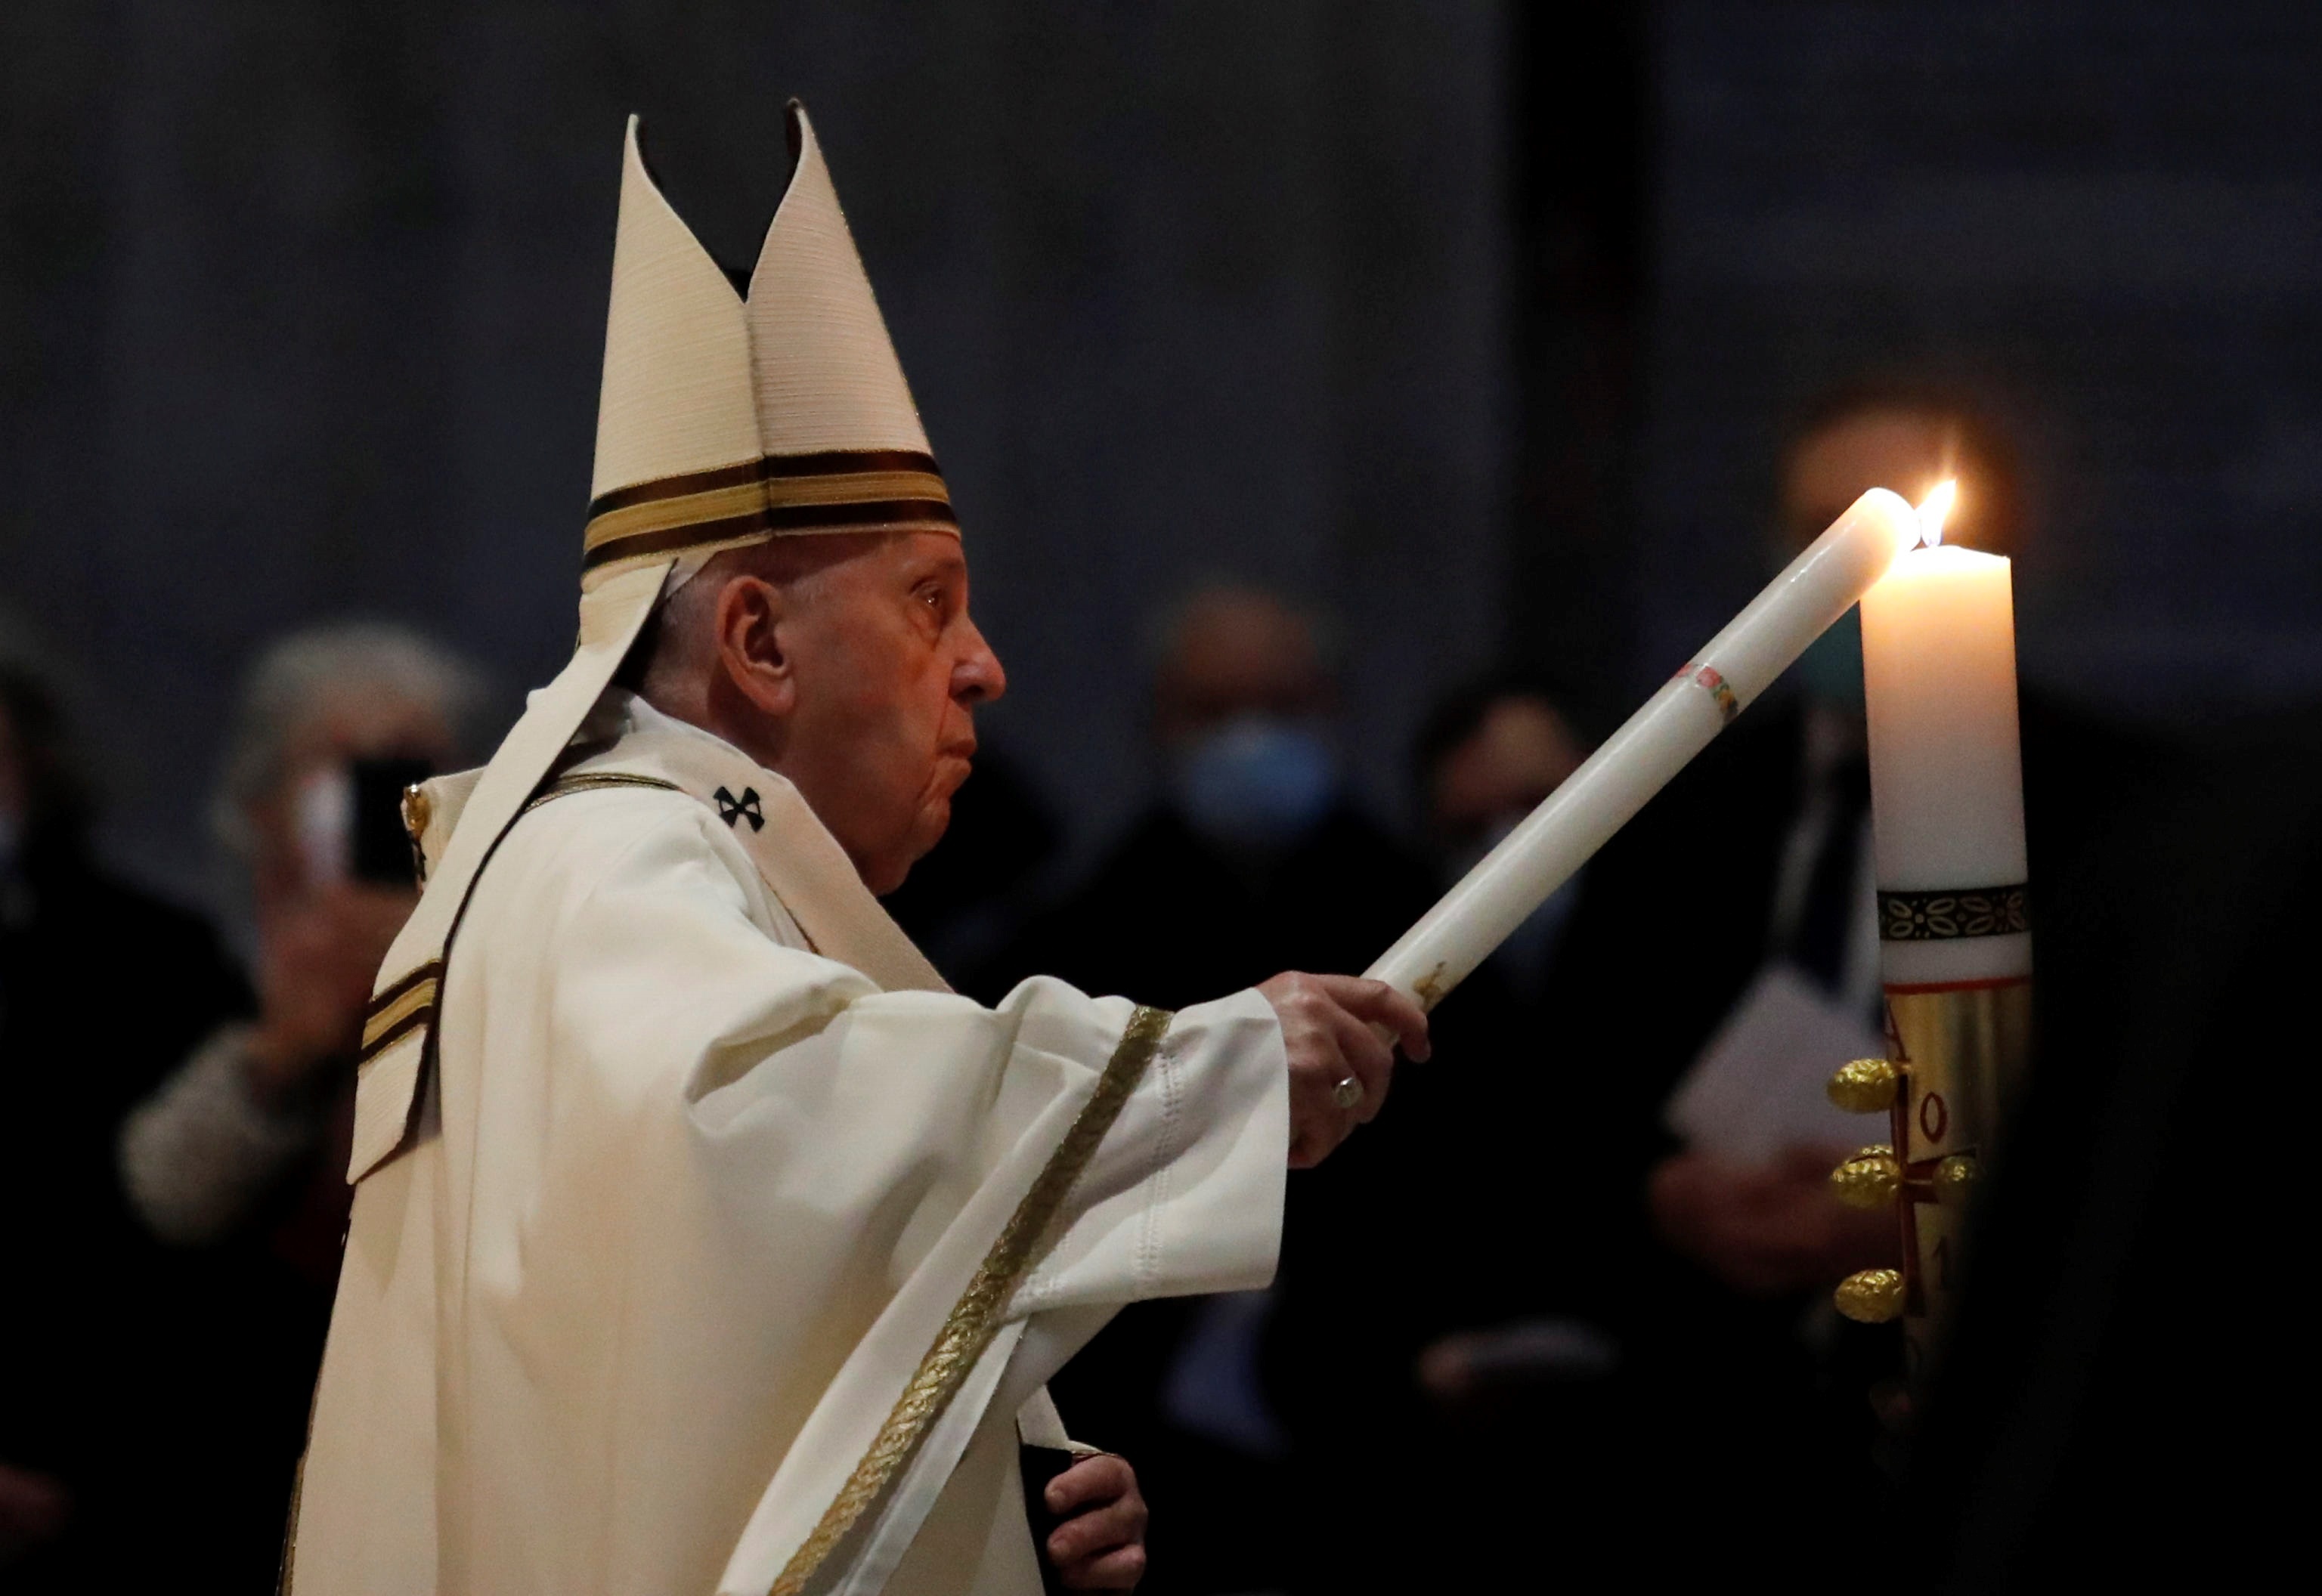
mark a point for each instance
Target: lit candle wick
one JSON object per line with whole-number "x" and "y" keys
{"x": 1938, "y": 506}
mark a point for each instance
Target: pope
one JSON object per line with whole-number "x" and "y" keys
{"x": 703, "y": 1240}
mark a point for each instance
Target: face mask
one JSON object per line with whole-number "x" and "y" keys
{"x": 1256, "y": 782}
{"x": 1831, "y": 667}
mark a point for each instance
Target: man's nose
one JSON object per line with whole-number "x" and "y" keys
{"x": 978, "y": 678}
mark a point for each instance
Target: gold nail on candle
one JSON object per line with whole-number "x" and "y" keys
{"x": 1866, "y": 1086}
{"x": 1870, "y": 1296}
{"x": 1954, "y": 1176}
{"x": 1869, "y": 1179}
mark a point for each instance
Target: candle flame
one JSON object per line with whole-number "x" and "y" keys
{"x": 1934, "y": 508}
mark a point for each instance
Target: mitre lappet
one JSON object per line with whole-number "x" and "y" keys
{"x": 725, "y": 418}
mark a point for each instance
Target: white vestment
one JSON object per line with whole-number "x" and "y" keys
{"x": 686, "y": 1205}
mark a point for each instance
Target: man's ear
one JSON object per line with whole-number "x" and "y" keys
{"x": 750, "y": 631}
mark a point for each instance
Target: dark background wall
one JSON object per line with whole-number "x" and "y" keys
{"x": 1474, "y": 321}
{"x": 301, "y": 307}
{"x": 2104, "y": 218}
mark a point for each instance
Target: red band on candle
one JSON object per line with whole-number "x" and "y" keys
{"x": 1707, "y": 677}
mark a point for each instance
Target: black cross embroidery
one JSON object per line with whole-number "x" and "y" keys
{"x": 733, "y": 810}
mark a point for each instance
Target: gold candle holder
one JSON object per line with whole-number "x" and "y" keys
{"x": 1956, "y": 1050}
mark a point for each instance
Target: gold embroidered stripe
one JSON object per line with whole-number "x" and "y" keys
{"x": 427, "y": 972}
{"x": 593, "y": 781}
{"x": 933, "y": 514}
{"x": 775, "y": 483}
{"x": 395, "y": 1012}
{"x": 718, "y": 503}
{"x": 726, "y": 503}
{"x": 855, "y": 487}
{"x": 376, "y": 1044}
{"x": 827, "y": 462}
{"x": 776, "y": 493}
{"x": 682, "y": 484}
{"x": 754, "y": 527}
{"x": 974, "y": 1319}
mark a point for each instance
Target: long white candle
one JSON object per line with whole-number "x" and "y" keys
{"x": 1946, "y": 769}
{"x": 1658, "y": 741}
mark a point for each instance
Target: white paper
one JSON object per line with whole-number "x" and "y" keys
{"x": 1757, "y": 1090}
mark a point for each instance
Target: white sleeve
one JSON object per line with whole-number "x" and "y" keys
{"x": 1185, "y": 1193}
{"x": 198, "y": 1154}
{"x": 803, "y": 1080}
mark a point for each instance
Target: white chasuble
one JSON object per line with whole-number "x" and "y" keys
{"x": 719, "y": 1259}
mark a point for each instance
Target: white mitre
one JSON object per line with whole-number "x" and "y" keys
{"x": 722, "y": 421}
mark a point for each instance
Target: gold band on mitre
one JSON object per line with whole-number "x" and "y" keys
{"x": 835, "y": 491}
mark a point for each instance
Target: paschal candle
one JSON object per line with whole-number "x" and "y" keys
{"x": 1946, "y": 768}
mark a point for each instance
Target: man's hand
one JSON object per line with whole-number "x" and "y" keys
{"x": 1767, "y": 1230}
{"x": 1101, "y": 1544}
{"x": 315, "y": 964}
{"x": 1327, "y": 1023}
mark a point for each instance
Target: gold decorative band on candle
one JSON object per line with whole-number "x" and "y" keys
{"x": 1707, "y": 679}
{"x": 835, "y": 491}
{"x": 1951, "y": 913}
{"x": 1959, "y": 1051}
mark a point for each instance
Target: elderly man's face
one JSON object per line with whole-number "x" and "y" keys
{"x": 889, "y": 668}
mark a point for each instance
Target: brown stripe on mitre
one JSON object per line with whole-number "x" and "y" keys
{"x": 848, "y": 463}
{"x": 710, "y": 507}
{"x": 832, "y": 490}
{"x": 875, "y": 514}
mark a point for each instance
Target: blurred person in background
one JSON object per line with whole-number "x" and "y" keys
{"x": 1252, "y": 857}
{"x": 237, "y": 1163}
{"x": 103, "y": 988}
{"x": 1252, "y": 815}
{"x": 1487, "y": 757}
{"x": 250, "y": 1133}
{"x": 1407, "y": 1351}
